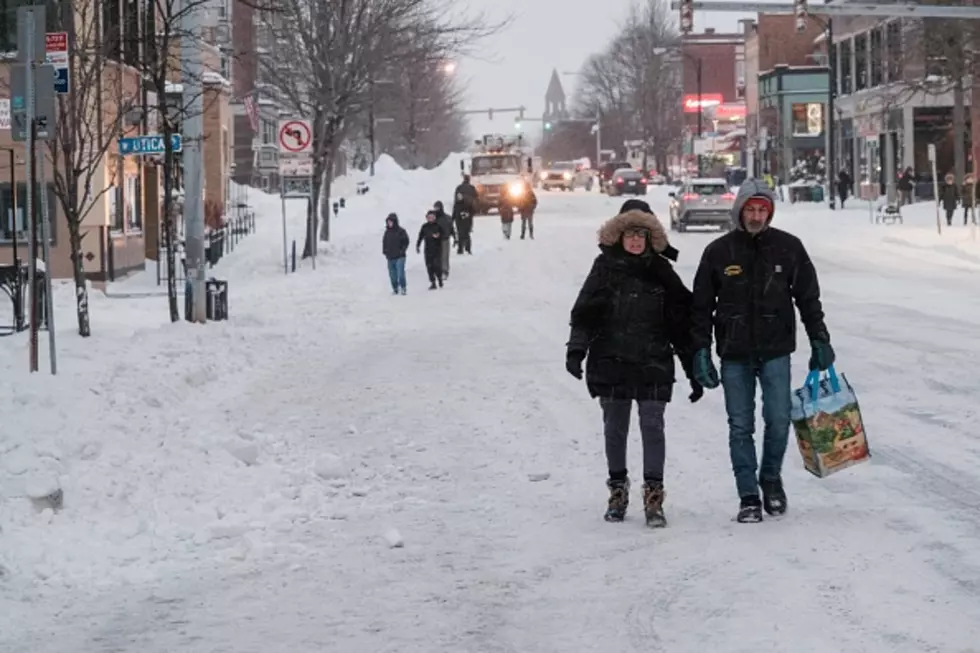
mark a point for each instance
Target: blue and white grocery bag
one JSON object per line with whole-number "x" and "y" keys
{"x": 828, "y": 424}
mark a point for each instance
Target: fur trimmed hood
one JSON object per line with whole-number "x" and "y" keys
{"x": 611, "y": 232}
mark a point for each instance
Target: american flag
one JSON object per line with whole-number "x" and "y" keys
{"x": 252, "y": 110}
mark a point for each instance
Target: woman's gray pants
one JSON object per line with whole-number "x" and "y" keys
{"x": 616, "y": 426}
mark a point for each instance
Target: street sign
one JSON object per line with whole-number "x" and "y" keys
{"x": 295, "y": 136}
{"x": 150, "y": 144}
{"x": 296, "y": 187}
{"x": 26, "y": 35}
{"x": 56, "y": 54}
{"x": 44, "y": 106}
{"x": 932, "y": 152}
{"x": 295, "y": 166}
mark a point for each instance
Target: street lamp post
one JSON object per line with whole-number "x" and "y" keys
{"x": 697, "y": 76}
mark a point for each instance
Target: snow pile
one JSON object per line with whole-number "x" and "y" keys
{"x": 130, "y": 430}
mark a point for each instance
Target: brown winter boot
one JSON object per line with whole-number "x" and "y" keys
{"x": 653, "y": 504}
{"x": 619, "y": 499}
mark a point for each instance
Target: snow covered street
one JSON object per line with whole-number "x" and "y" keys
{"x": 339, "y": 470}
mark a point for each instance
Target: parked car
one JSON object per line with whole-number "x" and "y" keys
{"x": 566, "y": 175}
{"x": 701, "y": 202}
{"x": 607, "y": 170}
{"x": 627, "y": 181}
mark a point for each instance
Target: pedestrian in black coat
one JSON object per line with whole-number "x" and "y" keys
{"x": 448, "y": 235}
{"x": 631, "y": 318}
{"x": 465, "y": 200}
{"x": 431, "y": 235}
{"x": 528, "y": 206}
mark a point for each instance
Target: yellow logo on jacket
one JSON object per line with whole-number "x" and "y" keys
{"x": 733, "y": 270}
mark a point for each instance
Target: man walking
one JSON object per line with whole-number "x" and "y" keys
{"x": 394, "y": 245}
{"x": 464, "y": 207}
{"x": 448, "y": 232}
{"x": 745, "y": 286}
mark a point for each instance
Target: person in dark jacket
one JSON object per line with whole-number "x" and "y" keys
{"x": 631, "y": 317}
{"x": 528, "y": 206}
{"x": 746, "y": 285}
{"x": 844, "y": 184}
{"x": 906, "y": 186}
{"x": 949, "y": 196}
{"x": 969, "y": 199}
{"x": 394, "y": 245}
{"x": 448, "y": 235}
{"x": 431, "y": 235}
{"x": 464, "y": 208}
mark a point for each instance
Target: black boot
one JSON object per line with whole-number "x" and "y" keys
{"x": 653, "y": 504}
{"x": 619, "y": 499}
{"x": 773, "y": 496}
{"x": 440, "y": 282}
{"x": 432, "y": 286}
{"x": 750, "y": 511}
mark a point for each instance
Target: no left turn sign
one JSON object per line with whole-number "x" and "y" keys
{"x": 295, "y": 136}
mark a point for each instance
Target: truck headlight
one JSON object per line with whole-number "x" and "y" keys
{"x": 515, "y": 189}
{"x": 543, "y": 176}
{"x": 567, "y": 176}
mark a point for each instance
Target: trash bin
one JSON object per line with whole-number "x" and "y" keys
{"x": 217, "y": 306}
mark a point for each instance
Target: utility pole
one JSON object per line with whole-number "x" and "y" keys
{"x": 700, "y": 89}
{"x": 598, "y": 138}
{"x": 193, "y": 101}
{"x": 371, "y": 135}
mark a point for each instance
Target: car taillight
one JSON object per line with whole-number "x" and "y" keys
{"x": 643, "y": 180}
{"x": 690, "y": 196}
{"x": 728, "y": 196}
{"x": 619, "y": 180}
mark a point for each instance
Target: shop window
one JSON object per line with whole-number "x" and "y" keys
{"x": 861, "y": 62}
{"x": 807, "y": 119}
{"x": 893, "y": 43}
{"x": 844, "y": 55}
{"x": 8, "y": 21}
{"x": 134, "y": 196}
{"x": 877, "y": 53}
{"x": 8, "y": 220}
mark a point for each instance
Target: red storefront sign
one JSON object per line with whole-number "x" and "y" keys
{"x": 707, "y": 100}
{"x": 730, "y": 111}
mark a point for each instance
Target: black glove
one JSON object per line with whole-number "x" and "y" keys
{"x": 573, "y": 363}
{"x": 697, "y": 391}
{"x": 822, "y": 355}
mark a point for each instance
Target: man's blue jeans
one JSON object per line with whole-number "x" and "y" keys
{"x": 396, "y": 271}
{"x": 738, "y": 379}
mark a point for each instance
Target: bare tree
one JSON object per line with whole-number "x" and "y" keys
{"x": 336, "y": 49}
{"x": 86, "y": 128}
{"x": 421, "y": 105}
{"x": 634, "y": 82}
{"x": 940, "y": 56}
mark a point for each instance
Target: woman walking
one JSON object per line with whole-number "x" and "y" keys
{"x": 631, "y": 317}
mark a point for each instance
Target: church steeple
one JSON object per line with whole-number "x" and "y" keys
{"x": 554, "y": 99}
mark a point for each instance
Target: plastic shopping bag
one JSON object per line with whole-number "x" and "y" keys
{"x": 828, "y": 424}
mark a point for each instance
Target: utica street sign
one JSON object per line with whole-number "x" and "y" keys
{"x": 152, "y": 144}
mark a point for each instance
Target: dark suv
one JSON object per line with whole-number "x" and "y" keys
{"x": 607, "y": 170}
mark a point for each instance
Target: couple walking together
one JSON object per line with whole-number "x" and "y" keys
{"x": 634, "y": 314}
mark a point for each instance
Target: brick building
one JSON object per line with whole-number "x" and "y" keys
{"x": 721, "y": 60}
{"x": 771, "y": 41}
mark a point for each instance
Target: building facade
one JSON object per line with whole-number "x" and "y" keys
{"x": 792, "y": 105}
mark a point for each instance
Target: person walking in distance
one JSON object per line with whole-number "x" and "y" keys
{"x": 431, "y": 235}
{"x": 949, "y": 195}
{"x": 745, "y": 287}
{"x": 448, "y": 235}
{"x": 631, "y": 317}
{"x": 394, "y": 245}
{"x": 528, "y": 207}
{"x": 464, "y": 208}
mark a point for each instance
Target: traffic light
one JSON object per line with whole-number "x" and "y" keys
{"x": 547, "y": 126}
{"x": 800, "y": 9}
{"x": 687, "y": 16}
{"x": 490, "y": 113}
{"x": 517, "y": 124}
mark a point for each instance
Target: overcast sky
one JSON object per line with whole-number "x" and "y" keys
{"x": 513, "y": 68}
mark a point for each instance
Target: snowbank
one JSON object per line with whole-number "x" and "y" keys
{"x": 147, "y": 479}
